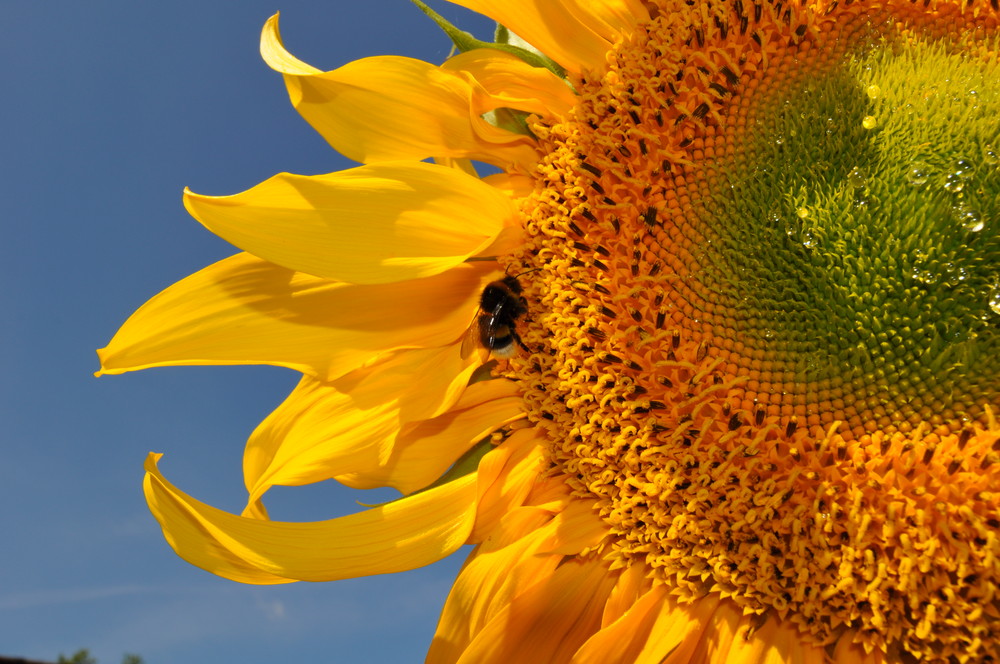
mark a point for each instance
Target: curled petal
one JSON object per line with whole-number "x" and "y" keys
{"x": 368, "y": 225}
{"x": 405, "y": 534}
{"x": 512, "y": 83}
{"x": 244, "y": 310}
{"x": 386, "y": 108}
{"x": 349, "y": 425}
{"x": 424, "y": 450}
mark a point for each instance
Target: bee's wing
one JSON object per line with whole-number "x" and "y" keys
{"x": 472, "y": 341}
{"x": 481, "y": 335}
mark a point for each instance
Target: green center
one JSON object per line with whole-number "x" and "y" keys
{"x": 856, "y": 242}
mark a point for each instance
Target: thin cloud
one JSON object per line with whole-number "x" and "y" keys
{"x": 59, "y": 596}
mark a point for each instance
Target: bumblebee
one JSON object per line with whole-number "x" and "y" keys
{"x": 495, "y": 327}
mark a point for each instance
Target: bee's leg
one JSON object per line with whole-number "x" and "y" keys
{"x": 517, "y": 339}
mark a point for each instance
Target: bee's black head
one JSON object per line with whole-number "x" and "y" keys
{"x": 511, "y": 282}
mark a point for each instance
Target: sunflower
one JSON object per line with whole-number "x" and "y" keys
{"x": 733, "y": 291}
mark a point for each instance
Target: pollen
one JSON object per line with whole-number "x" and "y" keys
{"x": 761, "y": 346}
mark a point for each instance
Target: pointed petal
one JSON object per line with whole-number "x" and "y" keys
{"x": 402, "y": 535}
{"x": 244, "y": 310}
{"x": 349, "y": 425}
{"x": 272, "y": 50}
{"x": 368, "y": 225}
{"x": 387, "y": 108}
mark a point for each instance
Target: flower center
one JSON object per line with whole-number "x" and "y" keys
{"x": 766, "y": 319}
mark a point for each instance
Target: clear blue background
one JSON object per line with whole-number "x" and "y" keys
{"x": 109, "y": 109}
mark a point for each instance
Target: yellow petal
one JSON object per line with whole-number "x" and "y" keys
{"x": 550, "y": 493}
{"x": 568, "y": 603}
{"x": 576, "y": 529}
{"x": 368, "y": 225}
{"x": 633, "y": 583}
{"x": 387, "y": 108}
{"x": 493, "y": 574}
{"x": 716, "y": 643}
{"x": 402, "y": 535}
{"x": 512, "y": 83}
{"x": 759, "y": 639}
{"x": 617, "y": 15}
{"x": 349, "y": 425}
{"x": 464, "y": 165}
{"x": 677, "y": 631}
{"x": 424, "y": 450}
{"x": 609, "y": 18}
{"x": 621, "y": 641}
{"x": 500, "y": 570}
{"x": 273, "y": 51}
{"x": 507, "y": 474}
{"x": 244, "y": 310}
{"x": 575, "y": 36}
{"x": 515, "y": 186}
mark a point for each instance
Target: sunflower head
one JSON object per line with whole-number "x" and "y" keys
{"x": 737, "y": 286}
{"x": 770, "y": 313}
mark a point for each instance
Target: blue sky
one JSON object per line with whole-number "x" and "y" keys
{"x": 110, "y": 109}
